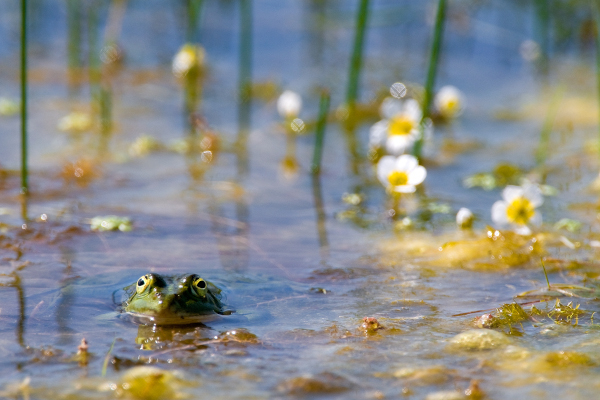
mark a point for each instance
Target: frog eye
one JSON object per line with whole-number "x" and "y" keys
{"x": 142, "y": 283}
{"x": 200, "y": 286}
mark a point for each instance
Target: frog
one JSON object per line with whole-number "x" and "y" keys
{"x": 173, "y": 300}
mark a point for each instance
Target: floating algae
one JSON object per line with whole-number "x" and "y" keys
{"x": 491, "y": 249}
{"x": 565, "y": 313}
{"x": 478, "y": 340}
{"x": 506, "y": 315}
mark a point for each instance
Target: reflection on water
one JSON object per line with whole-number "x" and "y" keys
{"x": 67, "y": 298}
{"x": 152, "y": 337}
{"x": 18, "y": 285}
{"x": 321, "y": 216}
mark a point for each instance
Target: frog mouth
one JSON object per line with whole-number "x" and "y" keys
{"x": 157, "y": 319}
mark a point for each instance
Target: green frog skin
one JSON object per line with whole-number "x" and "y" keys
{"x": 173, "y": 299}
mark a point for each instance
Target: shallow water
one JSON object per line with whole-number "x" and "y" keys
{"x": 301, "y": 267}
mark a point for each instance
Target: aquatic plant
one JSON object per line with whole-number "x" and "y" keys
{"x": 518, "y": 208}
{"x": 320, "y": 132}
{"x": 503, "y": 174}
{"x": 111, "y": 223}
{"x": 478, "y": 340}
{"x": 23, "y": 73}
{"x": 554, "y": 290}
{"x": 568, "y": 224}
{"x": 370, "y": 325}
{"x": 188, "y": 67}
{"x": 565, "y": 313}
{"x": 504, "y": 316}
{"x": 80, "y": 172}
{"x": 188, "y": 58}
{"x": 464, "y": 218}
{"x": 83, "y": 356}
{"x": 488, "y": 250}
{"x": 75, "y": 122}
{"x": 194, "y": 10}
{"x": 357, "y": 53}
{"x": 400, "y": 174}
{"x": 289, "y": 104}
{"x": 449, "y": 102}
{"x": 399, "y": 128}
{"x": 596, "y": 13}
{"x": 74, "y": 22}
{"x": 434, "y": 55}
{"x": 143, "y": 146}
{"x": 543, "y": 148}
{"x": 151, "y": 383}
{"x": 321, "y": 384}
{"x": 8, "y": 107}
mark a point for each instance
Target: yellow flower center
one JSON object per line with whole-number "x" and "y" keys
{"x": 451, "y": 105}
{"x": 401, "y": 125}
{"x": 520, "y": 211}
{"x": 398, "y": 178}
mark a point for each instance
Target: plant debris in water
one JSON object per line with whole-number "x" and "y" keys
{"x": 111, "y": 223}
{"x": 505, "y": 316}
{"x": 565, "y": 313}
{"x": 503, "y": 174}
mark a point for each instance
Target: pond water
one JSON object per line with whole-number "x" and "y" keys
{"x": 302, "y": 259}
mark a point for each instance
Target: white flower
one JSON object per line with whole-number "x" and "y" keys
{"x": 289, "y": 104}
{"x": 188, "y": 57}
{"x": 518, "y": 208}
{"x": 449, "y": 102}
{"x": 399, "y": 128}
{"x": 400, "y": 174}
{"x": 464, "y": 218}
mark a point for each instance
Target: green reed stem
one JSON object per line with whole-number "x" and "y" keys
{"x": 244, "y": 84}
{"x": 194, "y": 8}
{"x": 320, "y": 132}
{"x": 93, "y": 58}
{"x": 541, "y": 154}
{"x": 596, "y": 11}
{"x": 74, "y": 32}
{"x": 105, "y": 364}
{"x": 436, "y": 45}
{"x": 543, "y": 30}
{"x": 245, "y": 69}
{"x": 24, "y": 170}
{"x": 545, "y": 273}
{"x": 106, "y": 123}
{"x": 357, "y": 54}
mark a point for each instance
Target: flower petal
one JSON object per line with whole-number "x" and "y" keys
{"x": 404, "y": 189}
{"x": 522, "y": 230}
{"x": 417, "y": 175}
{"x": 412, "y": 108}
{"x": 378, "y": 133}
{"x": 406, "y": 163}
{"x": 390, "y": 107}
{"x": 397, "y": 144}
{"x": 384, "y": 167}
{"x": 464, "y": 217}
{"x": 289, "y": 104}
{"x": 499, "y": 213}
{"x": 534, "y": 194}
{"x": 511, "y": 193}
